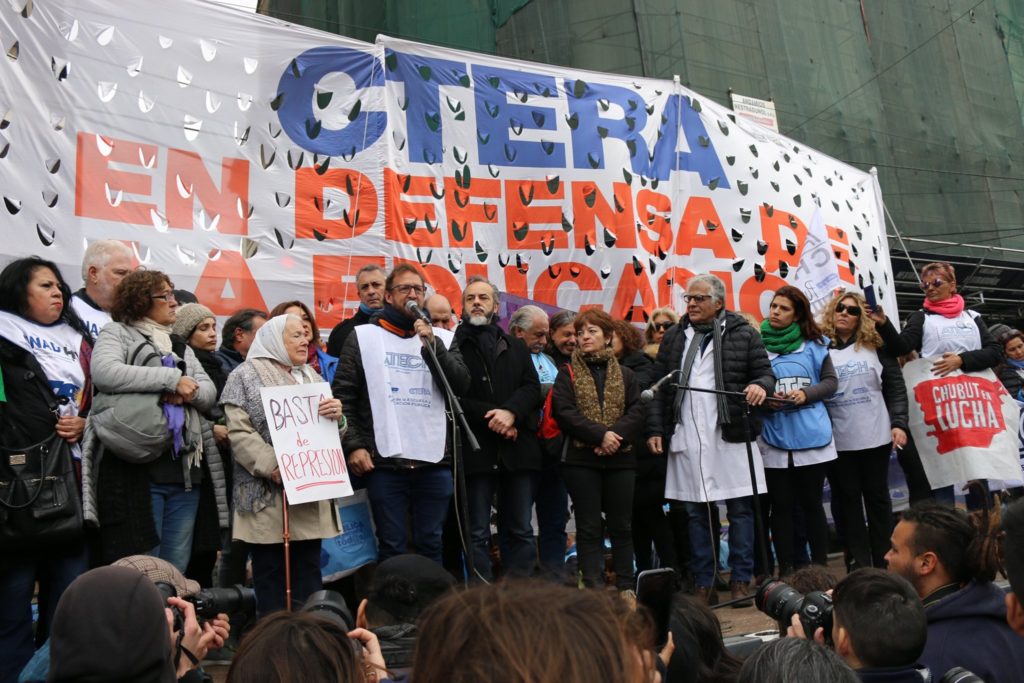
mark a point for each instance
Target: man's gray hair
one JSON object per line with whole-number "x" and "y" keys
{"x": 524, "y": 318}
{"x": 715, "y": 284}
{"x": 369, "y": 268}
{"x": 480, "y": 278}
{"x": 99, "y": 254}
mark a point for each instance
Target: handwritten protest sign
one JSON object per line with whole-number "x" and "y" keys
{"x": 965, "y": 425}
{"x": 307, "y": 446}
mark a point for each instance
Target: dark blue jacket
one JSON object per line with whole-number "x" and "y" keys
{"x": 969, "y": 629}
{"x": 909, "y": 674}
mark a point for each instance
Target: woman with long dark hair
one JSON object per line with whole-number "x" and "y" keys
{"x": 796, "y": 442}
{"x": 43, "y": 343}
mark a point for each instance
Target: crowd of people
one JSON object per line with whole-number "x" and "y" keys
{"x": 639, "y": 435}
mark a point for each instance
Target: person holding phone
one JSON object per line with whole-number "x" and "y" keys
{"x": 869, "y": 419}
{"x": 945, "y": 330}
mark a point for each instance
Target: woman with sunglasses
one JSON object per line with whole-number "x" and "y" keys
{"x": 657, "y": 325}
{"x": 944, "y": 329}
{"x": 796, "y": 441}
{"x": 869, "y": 419}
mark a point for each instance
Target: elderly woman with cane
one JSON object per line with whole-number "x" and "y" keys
{"x": 277, "y": 357}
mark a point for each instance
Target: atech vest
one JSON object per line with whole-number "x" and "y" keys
{"x": 808, "y": 426}
{"x": 860, "y": 418}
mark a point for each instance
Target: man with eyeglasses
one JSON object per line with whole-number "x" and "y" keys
{"x": 398, "y": 437}
{"x": 705, "y": 434}
{"x": 370, "y": 287}
{"x": 105, "y": 264}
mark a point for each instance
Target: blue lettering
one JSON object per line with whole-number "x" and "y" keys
{"x": 296, "y": 113}
{"x": 591, "y": 128}
{"x": 423, "y": 77}
{"x": 495, "y": 117}
{"x": 702, "y": 158}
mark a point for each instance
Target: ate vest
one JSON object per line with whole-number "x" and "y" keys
{"x": 808, "y": 426}
{"x": 949, "y": 335}
{"x": 860, "y": 419}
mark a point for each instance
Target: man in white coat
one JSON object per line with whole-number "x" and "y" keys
{"x": 705, "y": 434}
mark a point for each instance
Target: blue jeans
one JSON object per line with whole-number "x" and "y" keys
{"x": 552, "y": 501}
{"x": 419, "y": 493}
{"x": 174, "y": 513}
{"x": 515, "y": 503}
{"x": 740, "y": 512}
{"x": 54, "y": 569}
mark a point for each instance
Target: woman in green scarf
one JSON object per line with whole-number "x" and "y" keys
{"x": 796, "y": 443}
{"x": 596, "y": 402}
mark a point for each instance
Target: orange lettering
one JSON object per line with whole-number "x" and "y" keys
{"x": 311, "y": 204}
{"x": 590, "y": 206}
{"x": 334, "y": 286}
{"x": 99, "y": 189}
{"x": 227, "y": 285}
{"x": 700, "y": 211}
{"x": 521, "y": 214}
{"x": 462, "y": 212}
{"x": 545, "y": 290}
{"x": 413, "y": 223}
{"x": 774, "y": 229}
{"x": 652, "y": 209}
{"x": 186, "y": 174}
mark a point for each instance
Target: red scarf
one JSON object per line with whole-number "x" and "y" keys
{"x": 948, "y": 308}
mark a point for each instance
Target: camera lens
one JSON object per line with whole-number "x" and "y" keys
{"x": 210, "y": 602}
{"x": 779, "y": 601}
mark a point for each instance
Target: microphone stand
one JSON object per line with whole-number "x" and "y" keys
{"x": 459, "y": 420}
{"x": 758, "y": 521}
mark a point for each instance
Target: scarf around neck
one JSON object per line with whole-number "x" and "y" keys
{"x": 1019, "y": 364}
{"x": 609, "y": 406}
{"x": 947, "y": 308}
{"x": 396, "y": 322}
{"x": 159, "y": 334}
{"x": 269, "y": 344}
{"x": 786, "y": 340}
{"x": 701, "y": 331}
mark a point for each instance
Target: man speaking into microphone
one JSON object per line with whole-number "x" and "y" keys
{"x": 398, "y": 438}
{"x": 705, "y": 434}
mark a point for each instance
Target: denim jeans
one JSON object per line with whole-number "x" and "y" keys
{"x": 174, "y": 513}
{"x": 740, "y": 512}
{"x": 514, "y": 504}
{"x": 54, "y": 569}
{"x": 552, "y": 501}
{"x": 420, "y": 494}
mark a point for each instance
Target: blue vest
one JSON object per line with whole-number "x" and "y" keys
{"x": 797, "y": 429}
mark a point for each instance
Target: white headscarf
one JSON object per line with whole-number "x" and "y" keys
{"x": 269, "y": 343}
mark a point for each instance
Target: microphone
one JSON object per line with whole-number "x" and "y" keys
{"x": 647, "y": 395}
{"x": 414, "y": 308}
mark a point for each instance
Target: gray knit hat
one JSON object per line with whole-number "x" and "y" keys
{"x": 188, "y": 318}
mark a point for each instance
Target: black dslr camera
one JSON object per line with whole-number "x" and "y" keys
{"x": 210, "y": 602}
{"x": 781, "y": 602}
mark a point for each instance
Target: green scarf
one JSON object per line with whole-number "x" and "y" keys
{"x": 786, "y": 340}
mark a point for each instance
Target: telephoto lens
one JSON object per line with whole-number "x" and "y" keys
{"x": 781, "y": 601}
{"x": 210, "y": 602}
{"x": 958, "y": 674}
{"x": 331, "y": 605}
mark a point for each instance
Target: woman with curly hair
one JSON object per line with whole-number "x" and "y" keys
{"x": 144, "y": 505}
{"x": 796, "y": 442}
{"x": 657, "y": 325}
{"x": 869, "y": 419}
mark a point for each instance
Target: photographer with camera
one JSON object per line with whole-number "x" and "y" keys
{"x": 197, "y": 618}
{"x": 950, "y": 559}
{"x": 878, "y": 627}
{"x": 1012, "y": 539}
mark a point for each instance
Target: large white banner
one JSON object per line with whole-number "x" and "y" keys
{"x": 256, "y": 161}
{"x": 965, "y": 425}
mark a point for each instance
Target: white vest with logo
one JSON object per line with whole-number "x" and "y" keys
{"x": 949, "y": 335}
{"x": 93, "y": 318}
{"x": 860, "y": 419}
{"x": 408, "y": 408}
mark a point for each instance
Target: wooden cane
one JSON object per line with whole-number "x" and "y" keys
{"x": 287, "y": 555}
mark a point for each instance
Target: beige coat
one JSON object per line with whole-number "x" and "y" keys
{"x": 307, "y": 521}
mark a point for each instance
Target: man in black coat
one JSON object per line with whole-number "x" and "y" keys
{"x": 370, "y": 285}
{"x": 502, "y": 406}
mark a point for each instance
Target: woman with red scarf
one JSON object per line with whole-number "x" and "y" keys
{"x": 944, "y": 329}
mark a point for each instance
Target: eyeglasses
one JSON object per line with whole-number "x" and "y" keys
{"x": 168, "y": 297}
{"x": 848, "y": 308}
{"x": 699, "y": 298}
{"x": 663, "y": 326}
{"x": 937, "y": 282}
{"x": 405, "y": 289}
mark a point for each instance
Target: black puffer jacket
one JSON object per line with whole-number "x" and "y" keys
{"x": 507, "y": 381}
{"x": 744, "y": 362}
{"x": 350, "y": 387}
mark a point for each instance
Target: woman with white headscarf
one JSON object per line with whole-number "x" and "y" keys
{"x": 277, "y": 357}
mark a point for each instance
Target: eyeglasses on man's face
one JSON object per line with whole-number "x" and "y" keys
{"x": 699, "y": 298}
{"x": 405, "y": 289}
